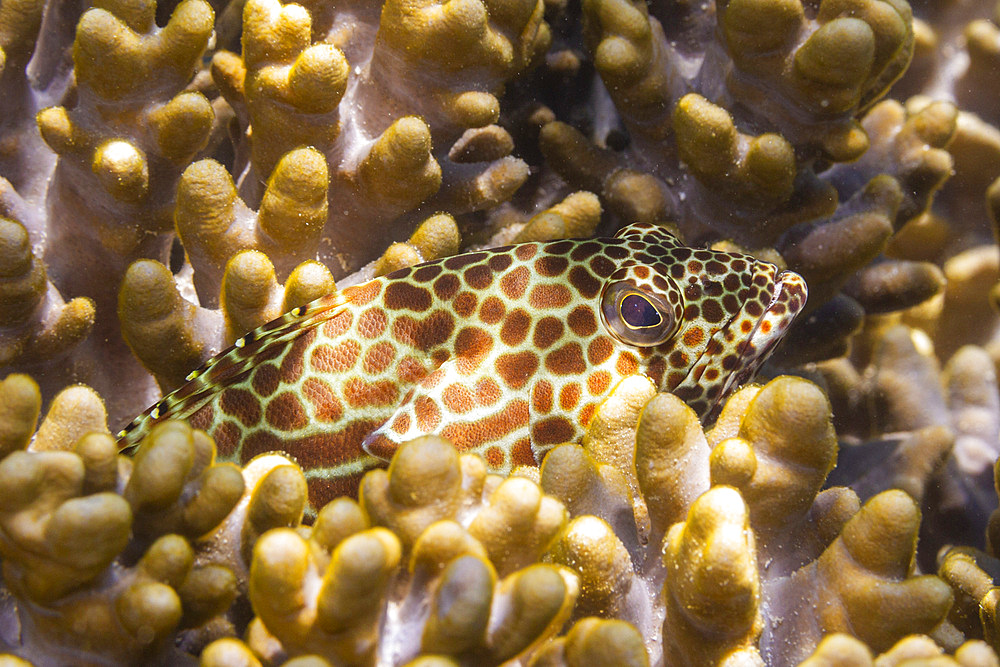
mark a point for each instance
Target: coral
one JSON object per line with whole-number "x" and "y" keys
{"x": 331, "y": 601}
{"x": 916, "y": 426}
{"x": 839, "y": 649}
{"x": 440, "y": 561}
{"x": 173, "y": 175}
{"x": 174, "y": 486}
{"x": 712, "y": 586}
{"x": 428, "y": 482}
{"x": 428, "y": 487}
{"x": 118, "y": 150}
{"x": 416, "y": 130}
{"x": 38, "y": 324}
{"x": 972, "y": 576}
{"x": 287, "y": 91}
{"x": 136, "y": 159}
{"x": 593, "y": 641}
{"x": 97, "y": 549}
{"x": 868, "y": 570}
{"x": 171, "y": 335}
{"x": 289, "y": 223}
{"x": 765, "y": 77}
{"x": 342, "y": 122}
{"x": 760, "y": 132}
{"x": 341, "y": 620}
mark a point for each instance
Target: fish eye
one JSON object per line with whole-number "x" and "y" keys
{"x": 637, "y": 312}
{"x": 637, "y": 316}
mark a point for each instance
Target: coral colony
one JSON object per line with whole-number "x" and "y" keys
{"x": 476, "y": 332}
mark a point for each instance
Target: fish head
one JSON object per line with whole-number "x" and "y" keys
{"x": 703, "y": 321}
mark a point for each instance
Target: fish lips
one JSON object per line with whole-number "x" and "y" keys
{"x": 787, "y": 300}
{"x": 716, "y": 374}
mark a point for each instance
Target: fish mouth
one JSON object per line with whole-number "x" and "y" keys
{"x": 787, "y": 300}
{"x": 738, "y": 349}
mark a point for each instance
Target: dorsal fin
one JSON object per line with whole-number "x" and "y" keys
{"x": 233, "y": 364}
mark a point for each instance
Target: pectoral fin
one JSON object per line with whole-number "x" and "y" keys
{"x": 470, "y": 411}
{"x": 418, "y": 414}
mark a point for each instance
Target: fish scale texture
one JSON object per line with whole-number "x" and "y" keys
{"x": 505, "y": 352}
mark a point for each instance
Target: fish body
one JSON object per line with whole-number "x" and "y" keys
{"x": 506, "y": 352}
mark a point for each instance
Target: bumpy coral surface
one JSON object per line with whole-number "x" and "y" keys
{"x": 701, "y": 551}
{"x": 174, "y": 175}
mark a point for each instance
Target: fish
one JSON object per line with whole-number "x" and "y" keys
{"x": 505, "y": 352}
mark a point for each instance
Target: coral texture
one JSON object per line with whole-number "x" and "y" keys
{"x": 174, "y": 175}
{"x": 698, "y": 553}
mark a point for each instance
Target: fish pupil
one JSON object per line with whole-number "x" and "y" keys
{"x": 639, "y": 313}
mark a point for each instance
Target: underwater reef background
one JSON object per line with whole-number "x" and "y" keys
{"x": 174, "y": 175}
